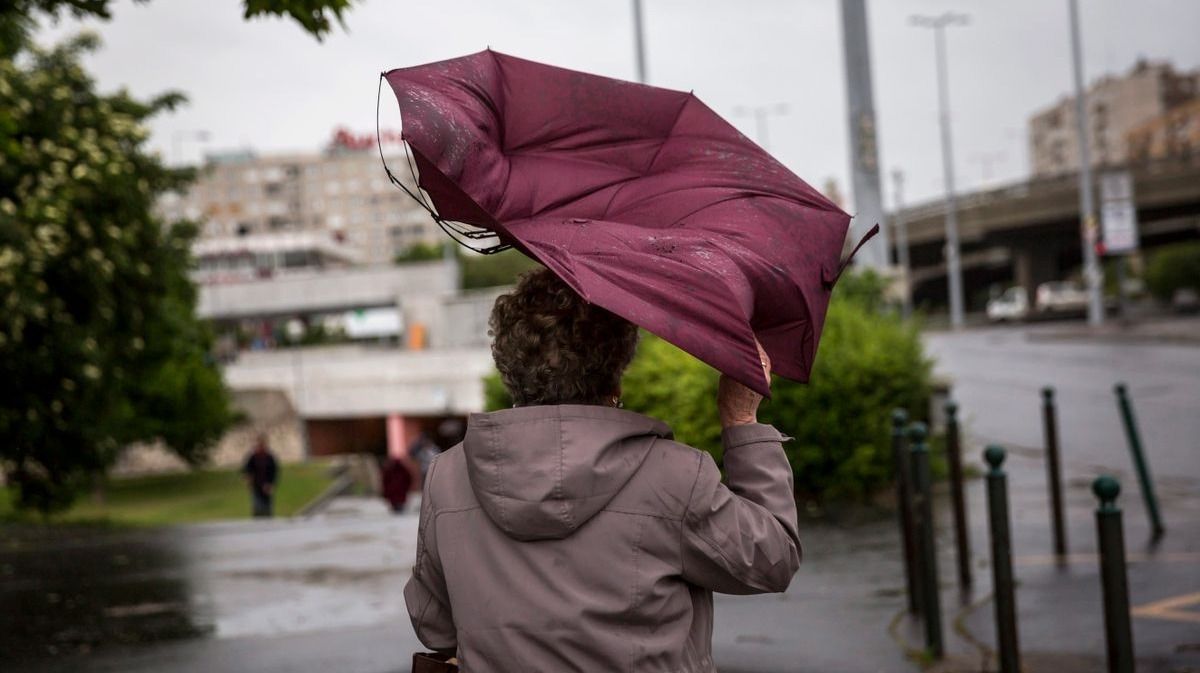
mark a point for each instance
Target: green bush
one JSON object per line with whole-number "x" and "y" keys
{"x": 869, "y": 362}
{"x": 503, "y": 268}
{"x": 1174, "y": 267}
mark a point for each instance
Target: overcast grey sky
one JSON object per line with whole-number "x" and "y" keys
{"x": 269, "y": 86}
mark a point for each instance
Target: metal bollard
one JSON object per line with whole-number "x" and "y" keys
{"x": 1053, "y": 472}
{"x": 954, "y": 459}
{"x": 1118, "y": 633}
{"x": 1139, "y": 460}
{"x": 1002, "y": 573}
{"x": 931, "y": 609}
{"x": 904, "y": 508}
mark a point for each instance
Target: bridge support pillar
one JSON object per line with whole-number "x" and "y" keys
{"x": 1033, "y": 265}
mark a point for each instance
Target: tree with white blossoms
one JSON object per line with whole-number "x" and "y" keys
{"x": 99, "y": 343}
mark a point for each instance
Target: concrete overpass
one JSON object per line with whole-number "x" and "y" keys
{"x": 1028, "y": 233}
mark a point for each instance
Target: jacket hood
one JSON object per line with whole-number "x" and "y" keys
{"x": 541, "y": 472}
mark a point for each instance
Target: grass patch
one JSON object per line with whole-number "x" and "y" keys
{"x": 186, "y": 497}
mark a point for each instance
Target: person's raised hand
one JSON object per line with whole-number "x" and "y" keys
{"x": 737, "y": 404}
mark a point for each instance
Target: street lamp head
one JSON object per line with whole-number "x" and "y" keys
{"x": 955, "y": 19}
{"x": 947, "y": 19}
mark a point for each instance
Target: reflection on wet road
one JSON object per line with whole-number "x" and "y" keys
{"x": 71, "y": 591}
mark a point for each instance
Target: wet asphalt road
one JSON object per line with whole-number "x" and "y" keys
{"x": 326, "y": 594}
{"x": 998, "y": 374}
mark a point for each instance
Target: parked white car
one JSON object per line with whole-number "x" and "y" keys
{"x": 1011, "y": 306}
{"x": 1060, "y": 296}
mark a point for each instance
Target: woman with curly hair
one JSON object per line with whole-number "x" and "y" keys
{"x": 568, "y": 534}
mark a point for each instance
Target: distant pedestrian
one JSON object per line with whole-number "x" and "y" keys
{"x": 423, "y": 450}
{"x": 262, "y": 473}
{"x": 397, "y": 482}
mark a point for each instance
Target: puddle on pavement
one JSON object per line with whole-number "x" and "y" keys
{"x": 67, "y": 591}
{"x": 74, "y": 590}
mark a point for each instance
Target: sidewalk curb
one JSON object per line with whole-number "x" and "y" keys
{"x": 340, "y": 486}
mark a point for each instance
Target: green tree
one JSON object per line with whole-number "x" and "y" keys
{"x": 99, "y": 343}
{"x": 1172, "y": 268}
{"x": 98, "y": 334}
{"x": 419, "y": 252}
{"x": 316, "y": 17}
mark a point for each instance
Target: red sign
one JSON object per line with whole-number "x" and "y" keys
{"x": 345, "y": 139}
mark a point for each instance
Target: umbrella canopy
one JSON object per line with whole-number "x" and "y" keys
{"x": 642, "y": 199}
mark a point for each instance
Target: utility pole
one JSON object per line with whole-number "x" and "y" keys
{"x": 953, "y": 263}
{"x": 901, "y": 228}
{"x": 760, "y": 113}
{"x": 864, "y": 152}
{"x": 639, "y": 40}
{"x": 1087, "y": 203}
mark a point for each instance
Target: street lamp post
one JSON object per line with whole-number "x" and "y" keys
{"x": 639, "y": 40}
{"x": 953, "y": 264}
{"x": 1087, "y": 207}
{"x": 864, "y": 151}
{"x": 760, "y": 113}
{"x": 901, "y": 229}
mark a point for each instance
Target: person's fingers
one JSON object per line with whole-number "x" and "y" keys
{"x": 765, "y": 360}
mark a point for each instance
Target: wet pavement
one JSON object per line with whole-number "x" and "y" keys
{"x": 325, "y": 594}
{"x": 997, "y": 376}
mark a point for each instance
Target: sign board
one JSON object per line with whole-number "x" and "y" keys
{"x": 373, "y": 323}
{"x": 1118, "y": 213}
{"x": 344, "y": 139}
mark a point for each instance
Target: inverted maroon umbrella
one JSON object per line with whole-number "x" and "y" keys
{"x": 642, "y": 199}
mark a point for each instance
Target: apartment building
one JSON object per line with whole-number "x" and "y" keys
{"x": 341, "y": 196}
{"x": 1116, "y": 106}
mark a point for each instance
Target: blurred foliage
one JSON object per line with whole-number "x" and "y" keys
{"x": 1174, "y": 267}
{"x": 98, "y": 338}
{"x": 502, "y": 268}
{"x": 495, "y": 395}
{"x": 18, "y": 17}
{"x": 98, "y": 334}
{"x": 312, "y": 15}
{"x": 419, "y": 252}
{"x": 869, "y": 362}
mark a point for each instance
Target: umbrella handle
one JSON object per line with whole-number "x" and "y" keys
{"x": 846, "y": 262}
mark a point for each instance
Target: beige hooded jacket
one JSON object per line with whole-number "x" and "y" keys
{"x": 581, "y": 538}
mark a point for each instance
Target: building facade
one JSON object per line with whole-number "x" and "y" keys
{"x": 1116, "y": 106}
{"x": 341, "y": 196}
{"x": 1172, "y": 135}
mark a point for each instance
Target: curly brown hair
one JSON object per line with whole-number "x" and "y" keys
{"x": 552, "y": 347}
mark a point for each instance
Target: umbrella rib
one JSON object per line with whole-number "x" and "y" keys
{"x": 646, "y": 171}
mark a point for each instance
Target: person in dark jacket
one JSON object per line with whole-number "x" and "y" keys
{"x": 568, "y": 534}
{"x": 261, "y": 472}
{"x": 397, "y": 482}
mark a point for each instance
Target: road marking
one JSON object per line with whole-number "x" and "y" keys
{"x": 1134, "y": 557}
{"x": 1169, "y": 608}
